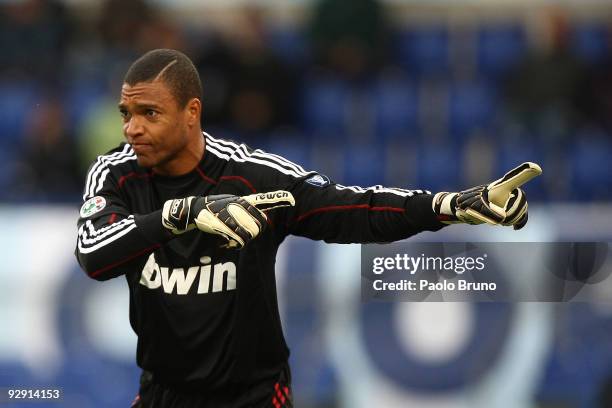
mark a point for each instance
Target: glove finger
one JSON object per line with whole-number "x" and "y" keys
{"x": 468, "y": 200}
{"x": 244, "y": 222}
{"x": 258, "y": 215}
{"x": 466, "y": 218}
{"x": 522, "y": 222}
{"x": 271, "y": 200}
{"x": 500, "y": 189}
{"x": 244, "y": 235}
{"x": 484, "y": 215}
{"x": 470, "y": 195}
{"x": 516, "y": 203}
{"x": 482, "y": 206}
{"x": 517, "y": 215}
{"x": 217, "y": 224}
{"x": 226, "y": 218}
{"x": 516, "y": 218}
{"x": 217, "y": 203}
{"x": 476, "y": 189}
{"x": 512, "y": 201}
{"x": 474, "y": 204}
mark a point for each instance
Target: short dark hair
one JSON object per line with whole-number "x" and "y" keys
{"x": 176, "y": 69}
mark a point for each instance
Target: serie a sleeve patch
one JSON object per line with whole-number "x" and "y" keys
{"x": 92, "y": 206}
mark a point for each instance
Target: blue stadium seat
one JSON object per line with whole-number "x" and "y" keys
{"x": 472, "y": 106}
{"x": 591, "y": 169}
{"x": 289, "y": 44}
{"x": 312, "y": 374}
{"x": 88, "y": 378}
{"x": 591, "y": 43}
{"x": 15, "y": 373}
{"x": 293, "y": 147}
{"x": 326, "y": 388}
{"x": 424, "y": 50}
{"x": 400, "y": 163}
{"x": 396, "y": 107}
{"x": 17, "y": 101}
{"x": 579, "y": 361}
{"x": 328, "y": 158}
{"x": 325, "y": 104}
{"x": 439, "y": 166}
{"x": 80, "y": 97}
{"x": 8, "y": 167}
{"x": 363, "y": 165}
{"x": 500, "y": 48}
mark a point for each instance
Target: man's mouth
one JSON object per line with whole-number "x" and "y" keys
{"x": 141, "y": 147}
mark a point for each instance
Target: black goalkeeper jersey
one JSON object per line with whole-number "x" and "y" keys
{"x": 207, "y": 317}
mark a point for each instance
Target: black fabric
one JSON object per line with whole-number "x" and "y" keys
{"x": 153, "y": 394}
{"x": 207, "y": 316}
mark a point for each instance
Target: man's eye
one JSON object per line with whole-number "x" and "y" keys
{"x": 151, "y": 113}
{"x": 124, "y": 113}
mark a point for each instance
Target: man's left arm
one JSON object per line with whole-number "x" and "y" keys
{"x": 340, "y": 214}
{"x": 349, "y": 214}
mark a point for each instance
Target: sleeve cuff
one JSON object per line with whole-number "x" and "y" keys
{"x": 152, "y": 228}
{"x": 420, "y": 213}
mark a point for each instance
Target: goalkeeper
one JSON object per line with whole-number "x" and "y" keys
{"x": 194, "y": 222}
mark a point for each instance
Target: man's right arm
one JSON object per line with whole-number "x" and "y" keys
{"x": 111, "y": 240}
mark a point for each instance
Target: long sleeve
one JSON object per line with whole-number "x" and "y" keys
{"x": 341, "y": 214}
{"x": 325, "y": 210}
{"x": 111, "y": 238}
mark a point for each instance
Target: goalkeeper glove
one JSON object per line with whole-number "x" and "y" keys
{"x": 237, "y": 219}
{"x": 501, "y": 202}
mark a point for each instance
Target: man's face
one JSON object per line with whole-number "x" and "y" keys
{"x": 153, "y": 123}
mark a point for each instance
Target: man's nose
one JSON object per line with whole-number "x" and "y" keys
{"x": 133, "y": 128}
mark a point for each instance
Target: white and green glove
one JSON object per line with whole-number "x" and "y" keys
{"x": 501, "y": 202}
{"x": 237, "y": 219}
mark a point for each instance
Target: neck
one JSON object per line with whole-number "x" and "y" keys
{"x": 186, "y": 160}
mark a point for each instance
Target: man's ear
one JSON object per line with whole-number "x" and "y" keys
{"x": 193, "y": 110}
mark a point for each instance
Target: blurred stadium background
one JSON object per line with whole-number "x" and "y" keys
{"x": 432, "y": 94}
